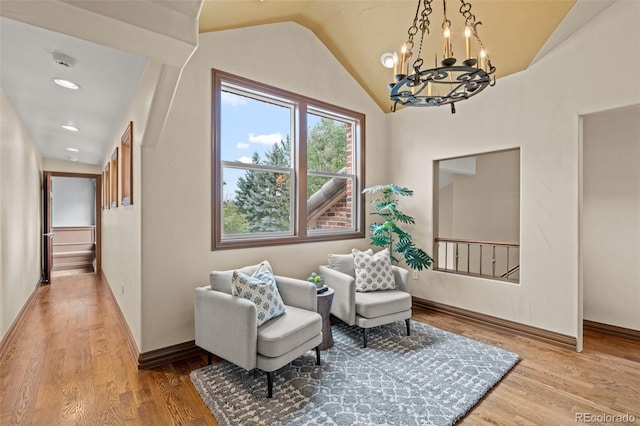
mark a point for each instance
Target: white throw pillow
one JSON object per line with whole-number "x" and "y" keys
{"x": 261, "y": 289}
{"x": 373, "y": 272}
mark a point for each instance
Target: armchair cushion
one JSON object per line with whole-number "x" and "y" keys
{"x": 288, "y": 331}
{"x": 344, "y": 263}
{"x": 375, "y": 304}
{"x": 373, "y": 272}
{"x": 261, "y": 289}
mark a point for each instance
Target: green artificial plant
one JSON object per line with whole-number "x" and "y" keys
{"x": 388, "y": 233}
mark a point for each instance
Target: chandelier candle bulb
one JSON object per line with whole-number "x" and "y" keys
{"x": 483, "y": 59}
{"x": 467, "y": 36}
{"x": 447, "y": 45}
{"x": 395, "y": 64}
{"x": 403, "y": 59}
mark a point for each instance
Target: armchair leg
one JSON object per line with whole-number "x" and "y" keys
{"x": 365, "y": 332}
{"x": 318, "y": 354}
{"x": 408, "y": 321}
{"x": 269, "y": 384}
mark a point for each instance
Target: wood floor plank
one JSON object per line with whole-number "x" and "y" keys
{"x": 71, "y": 366}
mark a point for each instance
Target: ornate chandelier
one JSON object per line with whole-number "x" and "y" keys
{"x": 417, "y": 85}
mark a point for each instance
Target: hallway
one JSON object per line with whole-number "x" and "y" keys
{"x": 71, "y": 365}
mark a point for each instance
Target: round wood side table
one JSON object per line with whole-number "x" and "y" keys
{"x": 324, "y": 309}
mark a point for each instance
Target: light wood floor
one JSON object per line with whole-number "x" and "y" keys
{"x": 73, "y": 271}
{"x": 70, "y": 365}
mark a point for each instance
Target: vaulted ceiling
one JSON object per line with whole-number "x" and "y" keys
{"x": 359, "y": 32}
{"x": 99, "y": 34}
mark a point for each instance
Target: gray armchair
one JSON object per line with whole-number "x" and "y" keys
{"x": 226, "y": 325}
{"x": 368, "y": 309}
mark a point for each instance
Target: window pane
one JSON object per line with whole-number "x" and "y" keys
{"x": 330, "y": 208}
{"x": 252, "y": 128}
{"x": 329, "y": 144}
{"x": 256, "y": 202}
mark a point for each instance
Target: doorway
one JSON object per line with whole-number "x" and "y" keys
{"x": 72, "y": 218}
{"x": 609, "y": 217}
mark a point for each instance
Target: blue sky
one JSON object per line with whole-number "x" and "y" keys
{"x": 248, "y": 126}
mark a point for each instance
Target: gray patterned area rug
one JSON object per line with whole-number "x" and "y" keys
{"x": 432, "y": 377}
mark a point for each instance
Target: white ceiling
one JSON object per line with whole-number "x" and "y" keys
{"x": 107, "y": 77}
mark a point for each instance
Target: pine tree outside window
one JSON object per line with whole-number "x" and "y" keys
{"x": 286, "y": 168}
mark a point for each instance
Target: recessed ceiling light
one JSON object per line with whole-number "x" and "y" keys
{"x": 70, "y": 127}
{"x": 387, "y": 60}
{"x": 66, "y": 83}
{"x": 73, "y": 150}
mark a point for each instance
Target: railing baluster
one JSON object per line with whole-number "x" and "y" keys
{"x": 446, "y": 258}
{"x": 455, "y": 252}
{"x": 457, "y": 257}
{"x": 493, "y": 261}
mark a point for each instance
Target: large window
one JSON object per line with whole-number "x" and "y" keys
{"x": 286, "y": 168}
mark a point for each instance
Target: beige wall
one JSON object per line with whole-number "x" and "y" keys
{"x": 20, "y": 213}
{"x": 610, "y": 238}
{"x": 536, "y": 110}
{"x": 122, "y": 227}
{"x": 176, "y": 231}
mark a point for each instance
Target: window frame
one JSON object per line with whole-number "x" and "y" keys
{"x": 302, "y": 105}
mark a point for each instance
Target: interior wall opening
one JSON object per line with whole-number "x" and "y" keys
{"x": 477, "y": 215}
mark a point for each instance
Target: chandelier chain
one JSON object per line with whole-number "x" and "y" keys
{"x": 413, "y": 29}
{"x": 424, "y": 28}
{"x": 470, "y": 21}
{"x": 465, "y": 11}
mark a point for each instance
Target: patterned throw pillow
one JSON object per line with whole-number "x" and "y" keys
{"x": 373, "y": 272}
{"x": 261, "y": 289}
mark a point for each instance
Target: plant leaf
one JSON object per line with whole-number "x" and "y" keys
{"x": 404, "y": 218}
{"x": 386, "y": 206}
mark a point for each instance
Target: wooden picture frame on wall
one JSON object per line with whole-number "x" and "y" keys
{"x": 126, "y": 175}
{"x": 107, "y": 189}
{"x": 102, "y": 200}
{"x": 114, "y": 179}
